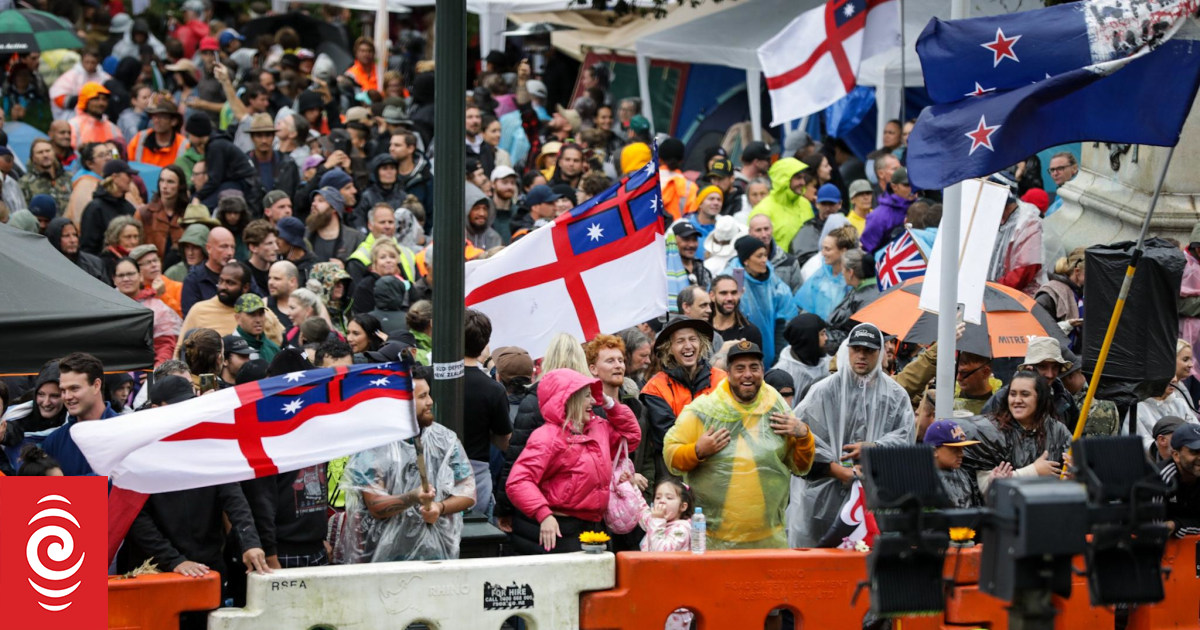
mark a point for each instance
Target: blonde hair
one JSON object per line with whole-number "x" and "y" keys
{"x": 385, "y": 243}
{"x": 845, "y": 237}
{"x": 565, "y": 352}
{"x": 578, "y": 410}
{"x": 1065, "y": 265}
{"x": 1180, "y": 345}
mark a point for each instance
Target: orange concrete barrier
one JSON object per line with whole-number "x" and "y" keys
{"x": 153, "y": 602}
{"x": 731, "y": 589}
{"x": 1180, "y": 608}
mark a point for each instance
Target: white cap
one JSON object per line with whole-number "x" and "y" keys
{"x": 536, "y": 88}
{"x": 500, "y": 172}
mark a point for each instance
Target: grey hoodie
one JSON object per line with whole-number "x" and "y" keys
{"x": 486, "y": 238}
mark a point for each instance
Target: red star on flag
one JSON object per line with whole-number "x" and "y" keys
{"x": 1002, "y": 47}
{"x": 982, "y": 136}
{"x": 980, "y": 90}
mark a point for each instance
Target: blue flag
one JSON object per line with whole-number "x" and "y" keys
{"x": 1006, "y": 87}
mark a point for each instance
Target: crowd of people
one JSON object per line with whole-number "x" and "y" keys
{"x": 287, "y": 229}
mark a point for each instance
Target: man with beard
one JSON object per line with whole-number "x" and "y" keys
{"x": 738, "y": 447}
{"x": 683, "y": 374}
{"x": 46, "y": 176}
{"x": 858, "y": 407}
{"x": 569, "y": 167}
{"x": 390, "y": 516}
{"x": 250, "y": 312}
{"x": 476, "y": 146}
{"x": 479, "y": 217}
{"x": 201, "y": 282}
{"x": 413, "y": 170}
{"x": 504, "y": 200}
{"x": 90, "y": 124}
{"x": 276, "y": 171}
{"x": 218, "y": 311}
{"x": 161, "y": 144}
{"x": 329, "y": 238}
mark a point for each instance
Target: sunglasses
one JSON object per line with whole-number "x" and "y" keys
{"x": 968, "y": 373}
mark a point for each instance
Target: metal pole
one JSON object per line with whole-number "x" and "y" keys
{"x": 1126, "y": 283}
{"x": 948, "y": 298}
{"x": 903, "y": 70}
{"x": 382, "y": 50}
{"x": 450, "y": 84}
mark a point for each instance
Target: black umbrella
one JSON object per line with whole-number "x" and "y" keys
{"x": 313, "y": 32}
{"x": 26, "y": 30}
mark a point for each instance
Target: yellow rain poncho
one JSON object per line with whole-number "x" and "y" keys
{"x": 743, "y": 489}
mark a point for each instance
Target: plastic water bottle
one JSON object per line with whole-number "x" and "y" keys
{"x": 698, "y": 531}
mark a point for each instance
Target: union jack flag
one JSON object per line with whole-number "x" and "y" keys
{"x": 899, "y": 261}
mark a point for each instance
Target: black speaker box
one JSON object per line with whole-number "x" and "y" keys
{"x": 1142, "y": 357}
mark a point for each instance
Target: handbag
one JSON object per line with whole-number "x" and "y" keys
{"x": 623, "y": 507}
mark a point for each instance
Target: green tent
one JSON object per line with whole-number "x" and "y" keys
{"x": 50, "y": 308}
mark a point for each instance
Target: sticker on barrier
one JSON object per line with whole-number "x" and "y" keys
{"x": 478, "y": 593}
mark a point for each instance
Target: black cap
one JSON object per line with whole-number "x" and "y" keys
{"x": 865, "y": 336}
{"x": 235, "y": 344}
{"x": 112, "y": 167}
{"x": 684, "y": 229}
{"x": 1166, "y": 425}
{"x": 721, "y": 168}
{"x": 756, "y": 151}
{"x": 1187, "y": 435}
{"x": 744, "y": 349}
{"x": 169, "y": 390}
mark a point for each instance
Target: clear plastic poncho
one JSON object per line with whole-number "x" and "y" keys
{"x": 391, "y": 469}
{"x": 743, "y": 488}
{"x": 843, "y": 409}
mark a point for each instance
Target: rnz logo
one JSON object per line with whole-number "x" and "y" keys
{"x": 54, "y": 552}
{"x": 56, "y": 585}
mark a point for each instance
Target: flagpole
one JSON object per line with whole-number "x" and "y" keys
{"x": 948, "y": 297}
{"x": 903, "y": 68}
{"x": 1126, "y": 283}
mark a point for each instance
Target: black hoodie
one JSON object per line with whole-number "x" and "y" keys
{"x": 229, "y": 167}
{"x": 391, "y": 301}
{"x": 85, "y": 261}
{"x": 103, "y": 208}
{"x": 375, "y": 192}
{"x": 423, "y": 110}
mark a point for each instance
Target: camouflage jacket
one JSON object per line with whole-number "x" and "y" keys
{"x": 1103, "y": 418}
{"x": 37, "y": 182}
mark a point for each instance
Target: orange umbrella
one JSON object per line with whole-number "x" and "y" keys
{"x": 1010, "y": 318}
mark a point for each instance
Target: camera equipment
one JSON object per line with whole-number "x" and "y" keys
{"x": 1031, "y": 529}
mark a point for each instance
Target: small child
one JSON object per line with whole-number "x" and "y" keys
{"x": 668, "y": 527}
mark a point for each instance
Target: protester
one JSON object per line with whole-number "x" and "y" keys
{"x": 127, "y": 277}
{"x": 825, "y": 289}
{"x": 858, "y": 272}
{"x": 949, "y": 441}
{"x": 785, "y": 205}
{"x": 737, "y": 448}
{"x": 560, "y": 483}
{"x": 765, "y": 300}
{"x": 1022, "y": 434}
{"x": 804, "y": 357}
{"x": 858, "y": 407}
{"x": 391, "y": 513}
{"x": 81, "y": 378}
{"x": 1062, "y": 295}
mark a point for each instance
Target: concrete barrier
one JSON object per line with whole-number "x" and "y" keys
{"x": 461, "y": 594}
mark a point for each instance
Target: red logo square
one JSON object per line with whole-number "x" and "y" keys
{"x": 54, "y": 551}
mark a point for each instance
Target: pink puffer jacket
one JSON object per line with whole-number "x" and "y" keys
{"x": 563, "y": 472}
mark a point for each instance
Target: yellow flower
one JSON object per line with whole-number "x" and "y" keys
{"x": 960, "y": 534}
{"x": 593, "y": 538}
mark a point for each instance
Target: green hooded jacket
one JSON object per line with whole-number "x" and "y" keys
{"x": 787, "y": 210}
